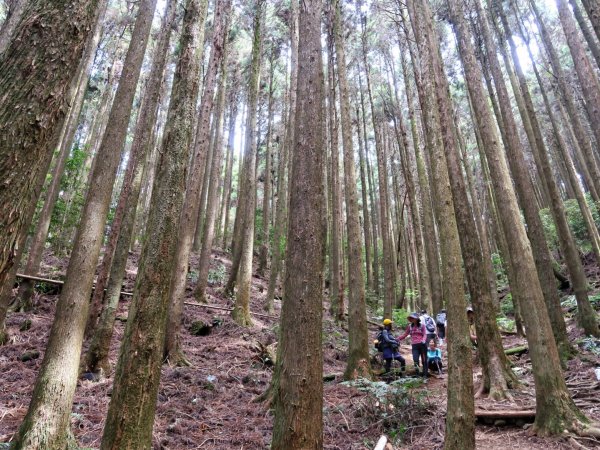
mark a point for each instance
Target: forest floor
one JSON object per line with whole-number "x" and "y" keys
{"x": 212, "y": 404}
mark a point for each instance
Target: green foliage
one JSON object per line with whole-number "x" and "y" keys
{"x": 400, "y": 318}
{"x": 217, "y": 275}
{"x": 506, "y": 324}
{"x": 590, "y": 344}
{"x": 506, "y": 305}
{"x": 193, "y": 276}
{"x": 576, "y": 223}
{"x": 501, "y": 278}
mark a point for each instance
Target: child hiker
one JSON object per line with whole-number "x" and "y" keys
{"x": 418, "y": 337}
{"x": 434, "y": 357}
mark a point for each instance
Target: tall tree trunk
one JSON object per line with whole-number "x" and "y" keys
{"x": 526, "y": 195}
{"x": 54, "y": 36}
{"x": 298, "y": 421}
{"x": 241, "y": 308}
{"x": 358, "y": 358}
{"x": 132, "y": 406}
{"x": 191, "y": 206}
{"x": 460, "y": 429}
{"x": 47, "y": 419}
{"x": 211, "y": 205}
{"x": 388, "y": 269}
{"x": 227, "y": 184}
{"x": 336, "y": 308}
{"x": 282, "y": 192}
{"x": 586, "y": 316}
{"x": 97, "y": 353}
{"x": 555, "y": 409}
{"x": 263, "y": 258}
{"x": 592, "y": 7}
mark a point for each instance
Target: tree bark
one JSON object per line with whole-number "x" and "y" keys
{"x": 583, "y": 26}
{"x": 592, "y": 8}
{"x": 358, "y": 357}
{"x": 211, "y": 205}
{"x": 34, "y": 104}
{"x": 191, "y": 206}
{"x": 556, "y": 410}
{"x": 16, "y": 8}
{"x": 298, "y": 421}
{"x": 132, "y": 407}
{"x": 241, "y": 308}
{"x": 460, "y": 428}
{"x": 97, "y": 354}
{"x": 47, "y": 420}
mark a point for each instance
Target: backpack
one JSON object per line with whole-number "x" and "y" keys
{"x": 380, "y": 341}
{"x": 441, "y": 318}
{"x": 429, "y": 325}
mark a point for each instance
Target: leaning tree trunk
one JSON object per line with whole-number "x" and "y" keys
{"x": 34, "y": 105}
{"x": 592, "y": 7}
{"x": 555, "y": 409}
{"x": 298, "y": 421}
{"x": 586, "y": 316}
{"x": 460, "y": 428}
{"x": 38, "y": 240}
{"x": 133, "y": 404}
{"x": 241, "y": 308}
{"x": 47, "y": 420}
{"x": 358, "y": 347}
{"x": 98, "y": 351}
{"x": 189, "y": 213}
{"x": 587, "y": 34}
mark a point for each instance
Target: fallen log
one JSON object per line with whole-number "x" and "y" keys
{"x": 516, "y": 350}
{"x": 59, "y": 282}
{"x": 222, "y": 308}
{"x": 503, "y": 414}
{"x": 331, "y": 376}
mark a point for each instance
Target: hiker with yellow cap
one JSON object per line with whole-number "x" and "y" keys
{"x": 389, "y": 344}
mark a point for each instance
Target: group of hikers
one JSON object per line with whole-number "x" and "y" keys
{"x": 425, "y": 335}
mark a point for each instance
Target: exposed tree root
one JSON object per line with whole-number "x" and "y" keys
{"x": 178, "y": 359}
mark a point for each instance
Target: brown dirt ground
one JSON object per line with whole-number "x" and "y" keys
{"x": 211, "y": 405}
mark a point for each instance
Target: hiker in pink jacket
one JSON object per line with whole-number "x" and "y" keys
{"x": 418, "y": 338}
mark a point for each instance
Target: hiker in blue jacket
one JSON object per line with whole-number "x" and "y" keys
{"x": 390, "y": 347}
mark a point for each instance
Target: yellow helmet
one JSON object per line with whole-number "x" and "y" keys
{"x": 387, "y": 322}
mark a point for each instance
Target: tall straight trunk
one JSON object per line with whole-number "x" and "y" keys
{"x": 362, "y": 127}
{"x": 555, "y": 409}
{"x": 241, "y": 308}
{"x": 526, "y": 195}
{"x": 460, "y": 428}
{"x": 588, "y": 79}
{"x": 263, "y": 258}
{"x": 358, "y": 349}
{"x": 336, "y": 237}
{"x": 583, "y": 139}
{"x": 97, "y": 354}
{"x": 47, "y": 419}
{"x": 227, "y": 184}
{"x": 586, "y": 316}
{"x": 16, "y": 8}
{"x": 431, "y": 248}
{"x": 367, "y": 235}
{"x": 34, "y": 105}
{"x": 298, "y": 421}
{"x": 388, "y": 268}
{"x": 133, "y": 404}
{"x": 211, "y": 204}
{"x": 583, "y": 26}
{"x": 189, "y": 213}
{"x": 282, "y": 185}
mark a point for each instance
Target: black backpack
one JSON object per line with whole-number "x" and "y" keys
{"x": 380, "y": 341}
